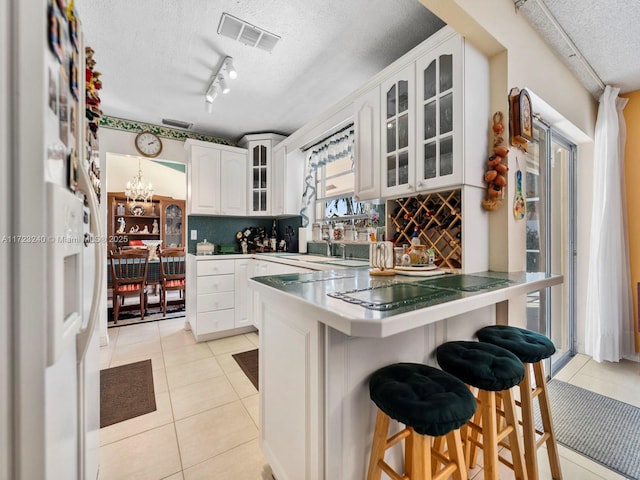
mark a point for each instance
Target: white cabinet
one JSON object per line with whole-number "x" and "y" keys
{"x": 367, "y": 145}
{"x": 243, "y": 302}
{"x": 261, "y": 179}
{"x": 217, "y": 302}
{"x": 428, "y": 129}
{"x": 440, "y": 116}
{"x": 397, "y": 132}
{"x": 216, "y": 179}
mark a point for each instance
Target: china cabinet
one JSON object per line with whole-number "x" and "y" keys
{"x": 216, "y": 179}
{"x": 132, "y": 222}
{"x": 173, "y": 227}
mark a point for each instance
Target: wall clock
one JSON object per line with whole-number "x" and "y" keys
{"x": 521, "y": 118}
{"x": 148, "y": 144}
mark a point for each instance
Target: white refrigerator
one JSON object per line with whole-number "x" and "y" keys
{"x": 51, "y": 251}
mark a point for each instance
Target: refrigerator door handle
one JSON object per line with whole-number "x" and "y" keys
{"x": 84, "y": 336}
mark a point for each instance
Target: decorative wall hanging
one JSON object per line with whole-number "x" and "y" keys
{"x": 519, "y": 205}
{"x": 520, "y": 118}
{"x": 495, "y": 176}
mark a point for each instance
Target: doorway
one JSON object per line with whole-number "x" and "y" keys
{"x": 153, "y": 224}
{"x": 550, "y": 195}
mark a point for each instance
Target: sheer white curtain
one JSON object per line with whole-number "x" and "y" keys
{"x": 337, "y": 146}
{"x": 609, "y": 303}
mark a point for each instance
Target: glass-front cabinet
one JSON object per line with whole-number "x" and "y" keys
{"x": 173, "y": 225}
{"x": 439, "y": 117}
{"x": 398, "y": 127}
{"x": 259, "y": 172}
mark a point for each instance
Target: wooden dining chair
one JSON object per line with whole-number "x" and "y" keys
{"x": 129, "y": 278}
{"x": 172, "y": 274}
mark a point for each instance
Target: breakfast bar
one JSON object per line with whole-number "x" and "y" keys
{"x": 323, "y": 333}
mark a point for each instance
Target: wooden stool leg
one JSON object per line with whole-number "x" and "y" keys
{"x": 378, "y": 446}
{"x": 547, "y": 424}
{"x": 456, "y": 454}
{"x": 528, "y": 424}
{"x": 489, "y": 435}
{"x": 438, "y": 446}
{"x": 417, "y": 456}
{"x": 511, "y": 420}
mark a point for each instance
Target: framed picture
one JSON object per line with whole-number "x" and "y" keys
{"x": 53, "y": 93}
{"x": 63, "y": 106}
{"x": 73, "y": 74}
{"x": 55, "y": 32}
{"x": 73, "y": 31}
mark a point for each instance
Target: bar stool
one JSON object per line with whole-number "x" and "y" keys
{"x": 490, "y": 369}
{"x": 430, "y": 403}
{"x": 531, "y": 348}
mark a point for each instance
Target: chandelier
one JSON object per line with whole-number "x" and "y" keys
{"x": 137, "y": 189}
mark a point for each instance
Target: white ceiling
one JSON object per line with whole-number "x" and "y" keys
{"x": 605, "y": 32}
{"x": 157, "y": 57}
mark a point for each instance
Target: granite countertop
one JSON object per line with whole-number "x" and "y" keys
{"x": 357, "y": 304}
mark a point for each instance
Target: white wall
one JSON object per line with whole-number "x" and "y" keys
{"x": 520, "y": 58}
{"x": 166, "y": 181}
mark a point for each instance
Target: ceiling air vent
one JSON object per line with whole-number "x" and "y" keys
{"x": 246, "y": 33}
{"x": 176, "y": 123}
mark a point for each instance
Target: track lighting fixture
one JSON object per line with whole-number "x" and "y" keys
{"x": 219, "y": 82}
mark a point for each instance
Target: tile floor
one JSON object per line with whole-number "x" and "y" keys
{"x": 207, "y": 410}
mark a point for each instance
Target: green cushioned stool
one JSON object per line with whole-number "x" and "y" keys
{"x": 531, "y": 348}
{"x": 492, "y": 371}
{"x": 430, "y": 403}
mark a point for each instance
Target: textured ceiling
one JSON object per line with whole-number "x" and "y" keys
{"x": 157, "y": 57}
{"x": 605, "y": 32}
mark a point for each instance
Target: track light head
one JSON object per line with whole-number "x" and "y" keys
{"x": 212, "y": 93}
{"x": 231, "y": 70}
{"x": 208, "y": 106}
{"x": 224, "y": 87}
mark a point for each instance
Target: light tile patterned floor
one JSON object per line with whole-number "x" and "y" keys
{"x": 206, "y": 423}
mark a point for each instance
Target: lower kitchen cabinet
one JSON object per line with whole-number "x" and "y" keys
{"x": 219, "y": 301}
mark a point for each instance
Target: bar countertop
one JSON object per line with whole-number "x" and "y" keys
{"x": 357, "y": 304}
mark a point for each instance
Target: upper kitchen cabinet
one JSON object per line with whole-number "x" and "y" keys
{"x": 452, "y": 116}
{"x": 216, "y": 179}
{"x": 398, "y": 132}
{"x": 422, "y": 124}
{"x": 367, "y": 145}
{"x": 262, "y": 179}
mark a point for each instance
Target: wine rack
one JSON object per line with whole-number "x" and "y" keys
{"x": 438, "y": 220}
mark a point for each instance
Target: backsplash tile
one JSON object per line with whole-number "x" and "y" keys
{"x": 222, "y": 230}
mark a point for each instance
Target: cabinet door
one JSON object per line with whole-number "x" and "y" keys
{"x": 439, "y": 117}
{"x": 278, "y": 176}
{"x": 259, "y": 177}
{"x": 173, "y": 224}
{"x": 398, "y": 132}
{"x": 367, "y": 145}
{"x": 232, "y": 184}
{"x": 243, "y": 300}
{"x": 203, "y": 187}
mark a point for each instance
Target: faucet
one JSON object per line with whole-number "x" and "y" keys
{"x": 327, "y": 238}
{"x": 343, "y": 248}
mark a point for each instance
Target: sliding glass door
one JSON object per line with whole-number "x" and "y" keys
{"x": 549, "y": 189}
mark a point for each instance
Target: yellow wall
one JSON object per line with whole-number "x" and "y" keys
{"x": 632, "y": 175}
